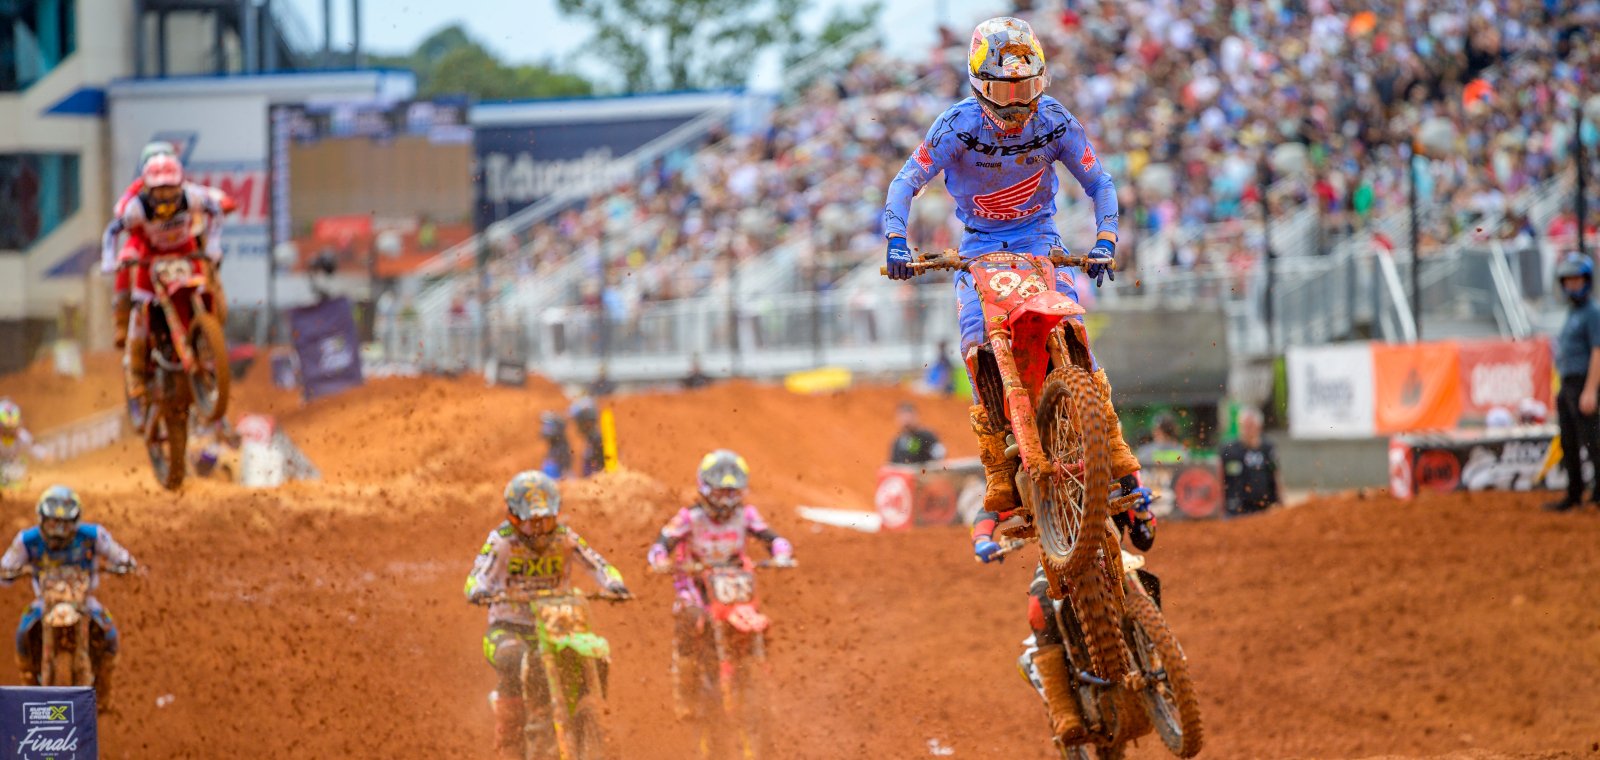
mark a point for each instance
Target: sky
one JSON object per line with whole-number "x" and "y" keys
{"x": 533, "y": 30}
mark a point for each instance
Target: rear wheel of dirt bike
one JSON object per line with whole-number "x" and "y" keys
{"x": 1168, "y": 695}
{"x": 1074, "y": 432}
{"x": 169, "y": 436}
{"x": 211, "y": 376}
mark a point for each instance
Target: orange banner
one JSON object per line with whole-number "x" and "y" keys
{"x": 1418, "y": 387}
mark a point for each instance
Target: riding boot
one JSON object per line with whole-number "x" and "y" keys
{"x": 1123, "y": 462}
{"x": 122, "y": 308}
{"x": 28, "y": 669}
{"x": 135, "y": 363}
{"x": 508, "y": 722}
{"x": 999, "y": 470}
{"x": 1050, "y": 662}
{"x": 105, "y": 665}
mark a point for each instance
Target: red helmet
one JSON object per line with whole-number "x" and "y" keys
{"x": 162, "y": 170}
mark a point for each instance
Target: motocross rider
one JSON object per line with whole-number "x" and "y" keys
{"x": 997, "y": 150}
{"x": 587, "y": 418}
{"x": 558, "y": 452}
{"x": 531, "y": 551}
{"x": 60, "y": 539}
{"x": 16, "y": 443}
{"x": 160, "y": 221}
{"x": 138, "y": 244}
{"x": 710, "y": 532}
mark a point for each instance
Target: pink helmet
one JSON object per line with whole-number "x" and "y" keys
{"x": 162, "y": 170}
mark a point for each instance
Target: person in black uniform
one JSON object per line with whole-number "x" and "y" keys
{"x": 915, "y": 444}
{"x": 1250, "y": 469}
{"x": 1578, "y": 364}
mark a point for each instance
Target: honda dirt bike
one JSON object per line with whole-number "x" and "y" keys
{"x": 1155, "y": 693}
{"x": 728, "y": 668}
{"x": 572, "y": 662}
{"x": 1034, "y": 377}
{"x": 64, "y": 656}
{"x": 188, "y": 361}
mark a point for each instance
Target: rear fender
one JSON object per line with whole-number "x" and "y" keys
{"x": 585, "y": 644}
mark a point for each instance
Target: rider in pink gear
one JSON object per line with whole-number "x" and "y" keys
{"x": 713, "y": 532}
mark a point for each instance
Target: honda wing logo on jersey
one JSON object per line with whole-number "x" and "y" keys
{"x": 1006, "y": 204}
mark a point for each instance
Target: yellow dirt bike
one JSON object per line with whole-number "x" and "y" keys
{"x": 572, "y": 662}
{"x": 1034, "y": 378}
{"x": 64, "y": 653}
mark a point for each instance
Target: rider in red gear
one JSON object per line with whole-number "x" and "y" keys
{"x": 167, "y": 217}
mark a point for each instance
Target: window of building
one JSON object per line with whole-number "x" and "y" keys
{"x": 38, "y": 191}
{"x": 35, "y": 37}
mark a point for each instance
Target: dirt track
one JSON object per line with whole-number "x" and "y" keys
{"x": 325, "y": 619}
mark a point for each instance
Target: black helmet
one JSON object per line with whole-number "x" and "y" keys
{"x": 59, "y": 510}
{"x": 724, "y": 479}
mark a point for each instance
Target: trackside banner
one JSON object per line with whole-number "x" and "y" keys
{"x": 55, "y": 723}
{"x": 328, "y": 346}
{"x": 1361, "y": 390}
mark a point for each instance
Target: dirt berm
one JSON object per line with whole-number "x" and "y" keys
{"x": 325, "y": 619}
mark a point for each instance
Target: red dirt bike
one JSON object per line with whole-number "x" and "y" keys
{"x": 1157, "y": 692}
{"x": 188, "y": 362}
{"x": 728, "y": 667}
{"x": 1034, "y": 378}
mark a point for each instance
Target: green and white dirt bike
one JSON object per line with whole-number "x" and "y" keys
{"x": 572, "y": 661}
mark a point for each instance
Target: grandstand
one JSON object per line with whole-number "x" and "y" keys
{"x": 767, "y": 242}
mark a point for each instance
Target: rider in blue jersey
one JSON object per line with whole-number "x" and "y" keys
{"x": 998, "y": 151}
{"x": 60, "y": 539}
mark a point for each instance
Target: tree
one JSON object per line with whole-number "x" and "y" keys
{"x": 451, "y": 62}
{"x": 699, "y": 44}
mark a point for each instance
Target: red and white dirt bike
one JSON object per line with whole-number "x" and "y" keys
{"x": 1034, "y": 377}
{"x": 728, "y": 668}
{"x": 188, "y": 361}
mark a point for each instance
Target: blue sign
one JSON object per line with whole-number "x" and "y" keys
{"x": 55, "y": 723}
{"x": 520, "y": 165}
{"x": 329, "y": 347}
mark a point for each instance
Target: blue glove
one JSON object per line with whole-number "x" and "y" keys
{"x": 986, "y": 550}
{"x": 899, "y": 257}
{"x": 1101, "y": 259}
{"x": 1129, "y": 484}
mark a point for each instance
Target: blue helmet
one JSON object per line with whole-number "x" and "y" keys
{"x": 1576, "y": 265}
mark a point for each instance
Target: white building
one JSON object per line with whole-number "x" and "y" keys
{"x": 58, "y": 174}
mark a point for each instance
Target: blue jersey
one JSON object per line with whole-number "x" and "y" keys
{"x": 1002, "y": 181}
{"x": 88, "y": 543}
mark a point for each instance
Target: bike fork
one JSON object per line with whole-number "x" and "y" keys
{"x": 558, "y": 708}
{"x": 1019, "y": 408}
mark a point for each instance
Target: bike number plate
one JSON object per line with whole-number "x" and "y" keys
{"x": 561, "y": 618}
{"x": 733, "y": 587}
{"x": 172, "y": 270}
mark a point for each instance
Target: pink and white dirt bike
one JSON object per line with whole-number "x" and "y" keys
{"x": 727, "y": 665}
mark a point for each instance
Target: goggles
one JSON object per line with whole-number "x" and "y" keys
{"x": 1011, "y": 92}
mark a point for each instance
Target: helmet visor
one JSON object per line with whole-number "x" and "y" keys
{"x": 1010, "y": 92}
{"x": 538, "y": 525}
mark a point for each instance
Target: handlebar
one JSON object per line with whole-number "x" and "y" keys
{"x": 951, "y": 259}
{"x": 27, "y": 570}
{"x": 524, "y": 598}
{"x": 695, "y": 567}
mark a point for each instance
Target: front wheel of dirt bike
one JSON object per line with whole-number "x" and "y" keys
{"x": 168, "y": 438}
{"x": 752, "y": 710}
{"x": 1099, "y": 752}
{"x": 211, "y": 376}
{"x": 1074, "y": 508}
{"x": 1169, "y": 696}
{"x": 588, "y": 734}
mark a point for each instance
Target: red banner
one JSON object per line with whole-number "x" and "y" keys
{"x": 1502, "y": 373}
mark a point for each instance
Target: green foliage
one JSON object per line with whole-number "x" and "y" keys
{"x": 451, "y": 62}
{"x": 700, "y": 44}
